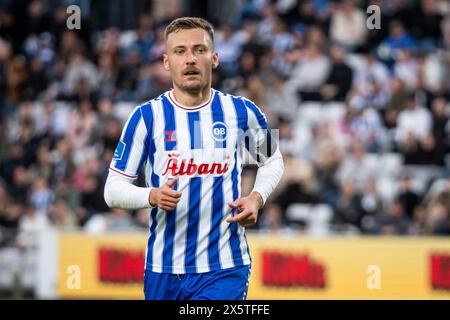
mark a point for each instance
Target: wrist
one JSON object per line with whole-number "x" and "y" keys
{"x": 152, "y": 197}
{"x": 256, "y": 196}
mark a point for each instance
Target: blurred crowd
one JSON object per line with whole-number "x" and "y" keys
{"x": 362, "y": 112}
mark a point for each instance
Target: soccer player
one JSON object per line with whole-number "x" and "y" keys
{"x": 189, "y": 141}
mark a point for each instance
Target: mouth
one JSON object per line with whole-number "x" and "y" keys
{"x": 191, "y": 73}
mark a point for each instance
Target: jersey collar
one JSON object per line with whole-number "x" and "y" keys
{"x": 179, "y": 105}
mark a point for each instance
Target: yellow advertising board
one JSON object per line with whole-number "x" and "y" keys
{"x": 352, "y": 268}
{"x": 284, "y": 267}
{"x": 109, "y": 266}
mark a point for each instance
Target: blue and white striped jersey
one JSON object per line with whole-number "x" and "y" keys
{"x": 201, "y": 146}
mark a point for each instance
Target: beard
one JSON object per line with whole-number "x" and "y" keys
{"x": 191, "y": 87}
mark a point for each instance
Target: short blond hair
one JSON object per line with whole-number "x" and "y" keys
{"x": 186, "y": 23}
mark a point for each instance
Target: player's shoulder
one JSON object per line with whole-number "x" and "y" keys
{"x": 147, "y": 110}
{"x": 149, "y": 105}
{"x": 226, "y": 94}
{"x": 240, "y": 100}
{"x": 153, "y": 100}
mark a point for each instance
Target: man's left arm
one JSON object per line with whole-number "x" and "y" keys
{"x": 264, "y": 148}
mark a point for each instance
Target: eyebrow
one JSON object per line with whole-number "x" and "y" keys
{"x": 195, "y": 45}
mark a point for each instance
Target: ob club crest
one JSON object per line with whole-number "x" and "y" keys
{"x": 219, "y": 131}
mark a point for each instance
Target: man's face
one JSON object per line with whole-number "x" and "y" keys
{"x": 190, "y": 59}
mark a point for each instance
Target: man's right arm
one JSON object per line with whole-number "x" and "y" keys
{"x": 120, "y": 192}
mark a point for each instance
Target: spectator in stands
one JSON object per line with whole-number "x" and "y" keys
{"x": 64, "y": 165}
{"x": 14, "y": 159}
{"x": 408, "y": 197}
{"x": 20, "y": 184}
{"x": 446, "y": 32}
{"x": 372, "y": 204}
{"x": 61, "y": 216}
{"x": 283, "y": 40}
{"x": 349, "y": 208}
{"x": 278, "y": 105}
{"x": 427, "y": 26}
{"x": 396, "y": 103}
{"x": 406, "y": 68}
{"x": 254, "y": 90}
{"x": 398, "y": 39}
{"x": 145, "y": 36}
{"x": 441, "y": 130}
{"x": 11, "y": 221}
{"x": 51, "y": 122}
{"x": 316, "y": 35}
{"x": 366, "y": 125}
{"x": 268, "y": 23}
{"x": 328, "y": 155}
{"x": 9, "y": 217}
{"x": 36, "y": 79}
{"x": 401, "y": 11}
{"x": 111, "y": 134}
{"x": 357, "y": 161}
{"x": 309, "y": 74}
{"x": 229, "y": 47}
{"x": 371, "y": 83}
{"x": 41, "y": 196}
{"x": 414, "y": 125}
{"x": 394, "y": 222}
{"x": 418, "y": 226}
{"x": 31, "y": 225}
{"x": 438, "y": 221}
{"x": 43, "y": 167}
{"x": 348, "y": 25}
{"x": 80, "y": 74}
{"x": 296, "y": 191}
{"x": 301, "y": 173}
{"x": 82, "y": 124}
{"x": 129, "y": 74}
{"x": 66, "y": 192}
{"x": 304, "y": 11}
{"x": 340, "y": 76}
{"x": 431, "y": 80}
{"x": 247, "y": 66}
{"x": 107, "y": 74}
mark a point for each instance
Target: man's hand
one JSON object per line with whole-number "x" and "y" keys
{"x": 165, "y": 197}
{"x": 247, "y": 214}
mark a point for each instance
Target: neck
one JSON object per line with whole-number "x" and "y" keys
{"x": 191, "y": 99}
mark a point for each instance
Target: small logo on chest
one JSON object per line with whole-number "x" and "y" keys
{"x": 170, "y": 136}
{"x": 219, "y": 131}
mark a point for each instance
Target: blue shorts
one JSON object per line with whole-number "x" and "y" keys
{"x": 226, "y": 284}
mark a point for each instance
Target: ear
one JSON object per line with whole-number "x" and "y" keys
{"x": 215, "y": 59}
{"x": 166, "y": 62}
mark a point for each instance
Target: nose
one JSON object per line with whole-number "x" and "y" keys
{"x": 190, "y": 58}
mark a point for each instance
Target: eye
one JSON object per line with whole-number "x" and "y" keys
{"x": 201, "y": 50}
{"x": 179, "y": 51}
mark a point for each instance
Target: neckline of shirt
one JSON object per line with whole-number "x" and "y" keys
{"x": 194, "y": 108}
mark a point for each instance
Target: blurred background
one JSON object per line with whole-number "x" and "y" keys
{"x": 363, "y": 119}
